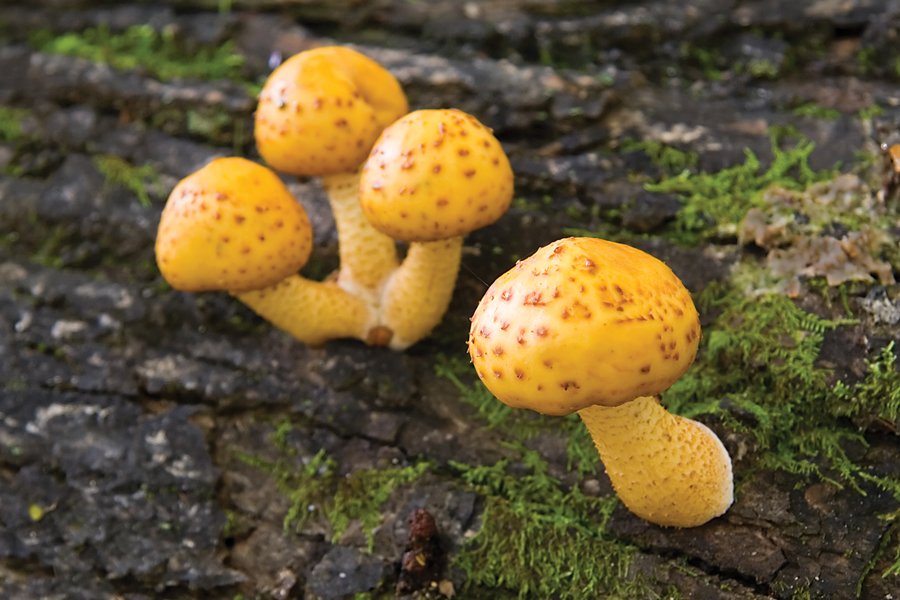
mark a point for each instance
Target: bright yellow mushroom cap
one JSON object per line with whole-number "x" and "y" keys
{"x": 583, "y": 322}
{"x": 232, "y": 225}
{"x": 321, "y": 110}
{"x": 433, "y": 175}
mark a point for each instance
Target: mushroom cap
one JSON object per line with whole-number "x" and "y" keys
{"x": 433, "y": 175}
{"x": 321, "y": 110}
{"x": 232, "y": 225}
{"x": 583, "y": 322}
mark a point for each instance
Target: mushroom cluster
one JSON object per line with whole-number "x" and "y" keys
{"x": 431, "y": 177}
{"x": 601, "y": 329}
{"x": 583, "y": 325}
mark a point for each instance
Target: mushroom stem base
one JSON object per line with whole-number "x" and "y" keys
{"x": 311, "y": 311}
{"x": 367, "y": 256}
{"x": 419, "y": 291}
{"x": 666, "y": 469}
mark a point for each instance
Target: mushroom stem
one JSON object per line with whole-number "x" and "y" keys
{"x": 367, "y": 256}
{"x": 311, "y": 311}
{"x": 418, "y": 293}
{"x": 675, "y": 471}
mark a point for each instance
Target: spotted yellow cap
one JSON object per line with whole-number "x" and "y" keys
{"x": 433, "y": 175}
{"x": 321, "y": 110}
{"x": 582, "y": 322}
{"x": 232, "y": 225}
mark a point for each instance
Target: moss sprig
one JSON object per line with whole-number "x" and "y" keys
{"x": 670, "y": 161}
{"x": 315, "y": 487}
{"x": 141, "y": 45}
{"x": 760, "y": 356}
{"x": 10, "y": 123}
{"x": 119, "y": 172}
{"x": 714, "y": 204}
{"x": 519, "y": 424}
{"x": 539, "y": 540}
{"x": 877, "y": 396}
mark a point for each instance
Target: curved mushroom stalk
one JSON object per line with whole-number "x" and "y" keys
{"x": 419, "y": 291}
{"x": 666, "y": 469}
{"x": 368, "y": 257}
{"x": 311, "y": 311}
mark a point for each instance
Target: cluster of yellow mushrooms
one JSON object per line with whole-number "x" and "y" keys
{"x": 583, "y": 325}
{"x": 427, "y": 178}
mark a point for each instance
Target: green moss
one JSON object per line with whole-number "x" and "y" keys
{"x": 11, "y": 132}
{"x": 279, "y": 437}
{"x": 714, "y": 204}
{"x": 894, "y": 569}
{"x": 317, "y": 488}
{"x": 763, "y": 68}
{"x": 713, "y": 66}
{"x": 890, "y": 540}
{"x": 826, "y": 291}
{"x": 48, "y": 254}
{"x": 210, "y": 124}
{"x": 232, "y": 523}
{"x": 381, "y": 592}
{"x": 520, "y": 424}
{"x": 538, "y": 540}
{"x": 876, "y": 397}
{"x": 802, "y": 591}
{"x": 361, "y": 495}
{"x": 10, "y": 120}
{"x": 118, "y": 171}
{"x": 760, "y": 354}
{"x": 866, "y": 60}
{"x": 709, "y": 61}
{"x": 866, "y": 114}
{"x": 142, "y": 46}
{"x": 491, "y": 410}
{"x": 669, "y": 160}
{"x": 811, "y": 109}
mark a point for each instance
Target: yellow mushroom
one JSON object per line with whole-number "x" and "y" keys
{"x": 432, "y": 177}
{"x": 599, "y": 328}
{"x": 319, "y": 114}
{"x": 234, "y": 226}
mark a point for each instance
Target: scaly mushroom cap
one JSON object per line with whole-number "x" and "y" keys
{"x": 583, "y": 322}
{"x": 433, "y": 175}
{"x": 320, "y": 111}
{"x": 232, "y": 225}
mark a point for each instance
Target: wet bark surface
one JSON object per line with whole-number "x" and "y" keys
{"x": 134, "y": 418}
